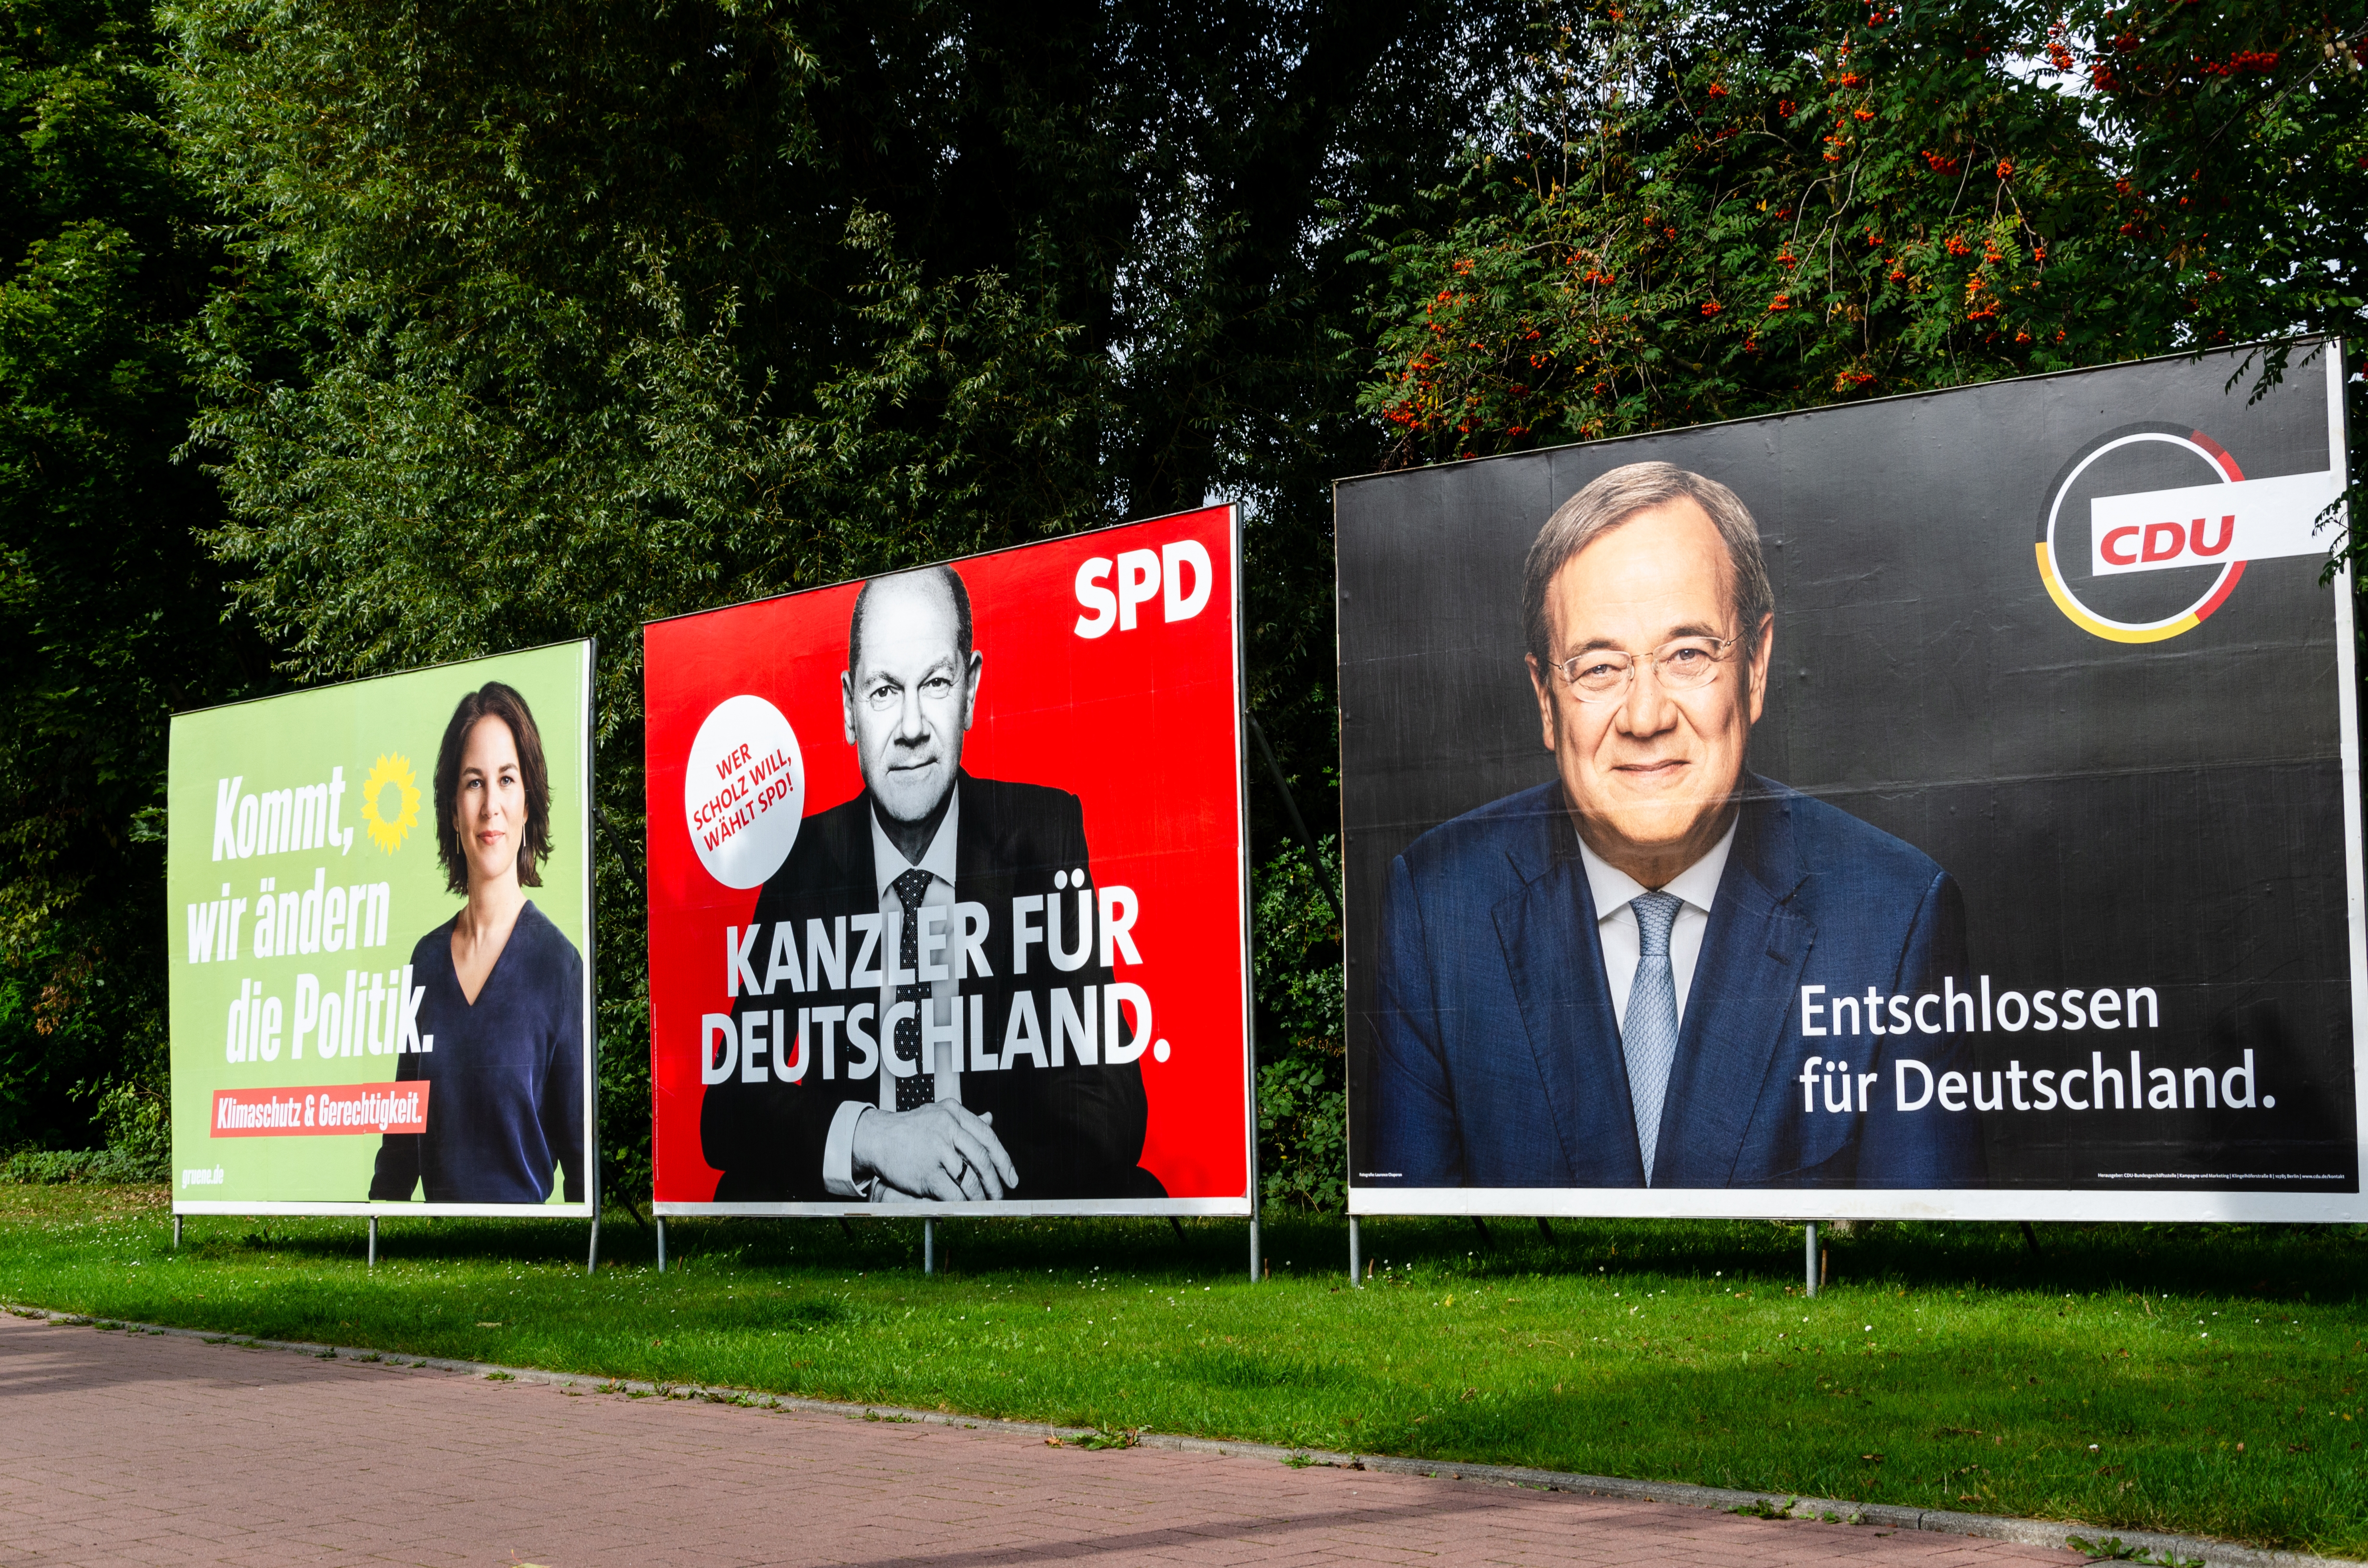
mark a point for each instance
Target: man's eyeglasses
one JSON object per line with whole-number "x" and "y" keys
{"x": 1604, "y": 674}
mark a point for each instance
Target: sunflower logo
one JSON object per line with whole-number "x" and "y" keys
{"x": 392, "y": 771}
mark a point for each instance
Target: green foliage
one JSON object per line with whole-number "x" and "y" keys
{"x": 1696, "y": 214}
{"x": 103, "y": 1166}
{"x": 138, "y": 1118}
{"x": 110, "y": 1167}
{"x": 1693, "y": 214}
{"x": 2242, "y": 130}
{"x": 1301, "y": 1081}
{"x": 1302, "y": 1117}
{"x": 536, "y": 329}
{"x": 109, "y": 609}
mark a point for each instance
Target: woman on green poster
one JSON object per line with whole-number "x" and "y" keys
{"x": 501, "y": 1025}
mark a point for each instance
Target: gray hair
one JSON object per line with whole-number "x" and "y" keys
{"x": 1610, "y": 500}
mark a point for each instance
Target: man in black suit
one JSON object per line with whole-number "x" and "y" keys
{"x": 945, "y": 959}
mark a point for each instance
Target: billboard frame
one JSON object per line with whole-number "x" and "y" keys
{"x": 1244, "y": 1207}
{"x": 589, "y": 1209}
{"x": 2094, "y": 1205}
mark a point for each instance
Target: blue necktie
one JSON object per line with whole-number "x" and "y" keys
{"x": 1650, "y": 1037}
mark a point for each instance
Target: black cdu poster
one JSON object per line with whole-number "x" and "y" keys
{"x": 1943, "y": 805}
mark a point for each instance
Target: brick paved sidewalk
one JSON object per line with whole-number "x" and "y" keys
{"x": 118, "y": 1447}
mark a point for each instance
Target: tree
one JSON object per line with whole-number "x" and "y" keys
{"x": 542, "y": 322}
{"x": 2241, "y": 180}
{"x": 110, "y": 607}
{"x": 1695, "y": 215}
{"x": 1698, "y": 216}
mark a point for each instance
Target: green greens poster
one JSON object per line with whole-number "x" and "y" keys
{"x": 379, "y": 902}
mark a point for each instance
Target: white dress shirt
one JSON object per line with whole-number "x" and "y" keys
{"x": 1615, "y": 923}
{"x": 888, "y": 863}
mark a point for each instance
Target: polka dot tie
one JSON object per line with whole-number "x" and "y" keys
{"x": 921, "y": 1087}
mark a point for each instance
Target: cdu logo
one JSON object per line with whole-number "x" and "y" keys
{"x": 2171, "y": 522}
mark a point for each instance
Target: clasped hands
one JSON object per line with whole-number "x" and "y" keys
{"x": 938, "y": 1150}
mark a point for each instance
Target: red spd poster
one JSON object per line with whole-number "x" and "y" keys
{"x": 949, "y": 904}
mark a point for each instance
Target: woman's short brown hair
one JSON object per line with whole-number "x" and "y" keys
{"x": 494, "y": 700}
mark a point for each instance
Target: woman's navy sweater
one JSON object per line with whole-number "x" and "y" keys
{"x": 506, "y": 1076}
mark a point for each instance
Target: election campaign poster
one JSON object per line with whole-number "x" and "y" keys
{"x": 379, "y": 897}
{"x": 1945, "y": 805}
{"x": 949, "y": 899}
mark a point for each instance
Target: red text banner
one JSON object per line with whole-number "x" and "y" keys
{"x": 329, "y": 1108}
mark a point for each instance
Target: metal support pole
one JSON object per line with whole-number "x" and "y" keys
{"x": 176, "y": 1232}
{"x": 928, "y": 1246}
{"x": 1809, "y": 1253}
{"x": 1356, "y": 1255}
{"x": 373, "y": 1242}
{"x": 592, "y": 1256}
{"x": 661, "y": 1220}
{"x": 1254, "y": 1248}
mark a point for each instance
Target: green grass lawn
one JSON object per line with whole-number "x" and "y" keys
{"x": 2197, "y": 1379}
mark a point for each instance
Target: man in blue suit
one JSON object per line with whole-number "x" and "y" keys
{"x": 1662, "y": 969}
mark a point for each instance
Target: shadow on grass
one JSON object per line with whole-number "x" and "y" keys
{"x": 2326, "y": 1263}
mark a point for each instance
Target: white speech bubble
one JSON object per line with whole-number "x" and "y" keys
{"x": 744, "y": 790}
